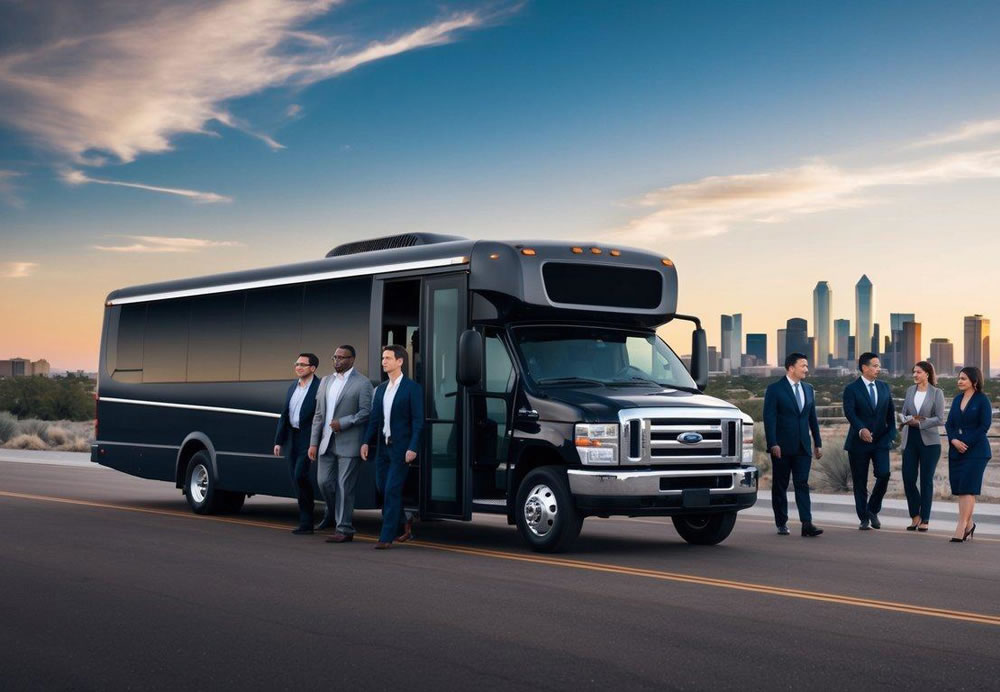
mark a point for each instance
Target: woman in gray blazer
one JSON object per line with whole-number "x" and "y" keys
{"x": 923, "y": 416}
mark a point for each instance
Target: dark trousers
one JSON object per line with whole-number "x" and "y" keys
{"x": 879, "y": 461}
{"x": 919, "y": 459}
{"x": 390, "y": 475}
{"x": 798, "y": 468}
{"x": 298, "y": 468}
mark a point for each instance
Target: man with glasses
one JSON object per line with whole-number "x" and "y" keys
{"x": 294, "y": 428}
{"x": 342, "y": 408}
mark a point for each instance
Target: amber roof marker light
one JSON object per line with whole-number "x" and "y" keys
{"x": 528, "y": 251}
{"x": 595, "y": 250}
{"x": 577, "y": 250}
{"x": 495, "y": 255}
{"x": 616, "y": 253}
{"x": 667, "y": 263}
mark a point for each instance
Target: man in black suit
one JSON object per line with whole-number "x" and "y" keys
{"x": 870, "y": 410}
{"x": 294, "y": 429}
{"x": 789, "y": 416}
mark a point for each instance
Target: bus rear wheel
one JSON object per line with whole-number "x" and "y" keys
{"x": 545, "y": 514}
{"x": 705, "y": 529}
{"x": 199, "y": 485}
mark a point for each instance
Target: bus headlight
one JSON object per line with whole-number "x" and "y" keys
{"x": 748, "y": 443}
{"x": 597, "y": 443}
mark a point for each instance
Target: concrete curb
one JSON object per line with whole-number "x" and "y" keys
{"x": 941, "y": 511}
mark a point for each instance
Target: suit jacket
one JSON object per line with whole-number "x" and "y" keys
{"x": 285, "y": 430}
{"x": 932, "y": 410}
{"x": 353, "y": 407}
{"x": 970, "y": 426}
{"x": 784, "y": 424}
{"x": 406, "y": 418}
{"x": 880, "y": 421}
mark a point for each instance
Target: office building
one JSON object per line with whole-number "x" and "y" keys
{"x": 726, "y": 340}
{"x": 40, "y": 367}
{"x": 977, "y": 343}
{"x": 713, "y": 359}
{"x": 909, "y": 348}
{"x": 841, "y": 335}
{"x": 864, "y": 313}
{"x": 736, "y": 355}
{"x": 875, "y": 338}
{"x": 822, "y": 299}
{"x": 943, "y": 356}
{"x": 852, "y": 350}
{"x": 782, "y": 346}
{"x": 757, "y": 347}
{"x": 796, "y": 336}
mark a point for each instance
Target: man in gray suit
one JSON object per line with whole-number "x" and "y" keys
{"x": 343, "y": 404}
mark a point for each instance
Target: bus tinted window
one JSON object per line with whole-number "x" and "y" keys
{"x": 336, "y": 313}
{"x": 272, "y": 332}
{"x": 131, "y": 325}
{"x": 587, "y": 284}
{"x": 214, "y": 345}
{"x": 165, "y": 345}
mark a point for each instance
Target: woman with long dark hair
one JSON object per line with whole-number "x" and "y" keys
{"x": 923, "y": 415}
{"x": 969, "y": 448}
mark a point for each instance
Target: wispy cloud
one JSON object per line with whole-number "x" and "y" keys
{"x": 716, "y": 204}
{"x": 130, "y": 88}
{"x": 153, "y": 243}
{"x": 8, "y": 189}
{"x": 75, "y": 177}
{"x": 966, "y": 133}
{"x": 17, "y": 270}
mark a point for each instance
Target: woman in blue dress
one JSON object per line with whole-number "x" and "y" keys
{"x": 968, "y": 447}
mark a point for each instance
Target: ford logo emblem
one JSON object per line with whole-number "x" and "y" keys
{"x": 690, "y": 438}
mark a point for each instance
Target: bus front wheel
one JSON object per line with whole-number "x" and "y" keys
{"x": 705, "y": 529}
{"x": 546, "y": 516}
{"x": 199, "y": 485}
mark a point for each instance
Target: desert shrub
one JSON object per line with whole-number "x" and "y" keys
{"x": 834, "y": 470}
{"x": 75, "y": 444}
{"x": 8, "y": 426}
{"x": 57, "y": 436}
{"x": 32, "y": 442}
{"x": 39, "y": 428}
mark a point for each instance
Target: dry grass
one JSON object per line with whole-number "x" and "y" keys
{"x": 75, "y": 444}
{"x": 8, "y": 426}
{"x": 57, "y": 436}
{"x": 30, "y": 442}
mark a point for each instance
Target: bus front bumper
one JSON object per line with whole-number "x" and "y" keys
{"x": 662, "y": 491}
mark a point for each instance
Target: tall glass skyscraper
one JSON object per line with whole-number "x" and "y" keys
{"x": 977, "y": 343}
{"x": 797, "y": 336}
{"x": 841, "y": 337}
{"x": 757, "y": 347}
{"x": 864, "y": 311}
{"x": 822, "y": 299}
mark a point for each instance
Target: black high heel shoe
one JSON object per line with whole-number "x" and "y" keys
{"x": 970, "y": 533}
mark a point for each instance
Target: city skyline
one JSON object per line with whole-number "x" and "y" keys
{"x": 759, "y": 148}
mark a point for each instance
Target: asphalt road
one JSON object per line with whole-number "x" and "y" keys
{"x": 109, "y": 582}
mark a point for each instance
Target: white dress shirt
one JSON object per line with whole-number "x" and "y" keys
{"x": 870, "y": 390}
{"x": 390, "y": 394}
{"x": 332, "y": 397}
{"x": 918, "y": 399}
{"x": 295, "y": 404}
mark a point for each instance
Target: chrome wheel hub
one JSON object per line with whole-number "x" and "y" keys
{"x": 540, "y": 510}
{"x": 198, "y": 488}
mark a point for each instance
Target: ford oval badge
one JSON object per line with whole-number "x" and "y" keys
{"x": 690, "y": 438}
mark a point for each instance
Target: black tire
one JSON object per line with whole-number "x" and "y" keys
{"x": 705, "y": 529}
{"x": 545, "y": 513}
{"x": 199, "y": 485}
{"x": 231, "y": 502}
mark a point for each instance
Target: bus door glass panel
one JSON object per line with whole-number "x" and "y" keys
{"x": 445, "y": 318}
{"x": 491, "y": 411}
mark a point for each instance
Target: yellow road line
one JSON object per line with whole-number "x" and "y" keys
{"x": 552, "y": 561}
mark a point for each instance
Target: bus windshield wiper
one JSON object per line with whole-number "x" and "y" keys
{"x": 635, "y": 381}
{"x": 569, "y": 380}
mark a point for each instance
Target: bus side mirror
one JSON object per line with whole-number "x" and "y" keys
{"x": 470, "y": 358}
{"x": 699, "y": 358}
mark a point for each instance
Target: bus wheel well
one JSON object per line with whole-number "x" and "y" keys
{"x": 530, "y": 459}
{"x": 190, "y": 448}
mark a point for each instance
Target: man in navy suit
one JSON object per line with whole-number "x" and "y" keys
{"x": 869, "y": 409}
{"x": 395, "y": 426}
{"x": 789, "y": 416}
{"x": 294, "y": 429}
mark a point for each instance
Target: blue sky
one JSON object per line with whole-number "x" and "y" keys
{"x": 763, "y": 146}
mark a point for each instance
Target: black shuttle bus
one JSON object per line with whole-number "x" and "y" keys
{"x": 549, "y": 395}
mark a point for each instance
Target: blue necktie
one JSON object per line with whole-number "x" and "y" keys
{"x": 871, "y": 393}
{"x": 798, "y": 396}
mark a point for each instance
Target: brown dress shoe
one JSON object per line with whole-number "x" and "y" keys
{"x": 340, "y": 538}
{"x": 382, "y": 546}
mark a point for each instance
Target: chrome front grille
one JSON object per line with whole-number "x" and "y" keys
{"x": 683, "y": 436}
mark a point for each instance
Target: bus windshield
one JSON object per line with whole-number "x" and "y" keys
{"x": 557, "y": 355}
